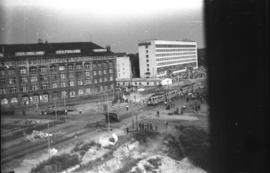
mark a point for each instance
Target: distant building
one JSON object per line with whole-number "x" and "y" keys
{"x": 123, "y": 67}
{"x": 34, "y": 74}
{"x": 159, "y": 58}
{"x": 138, "y": 82}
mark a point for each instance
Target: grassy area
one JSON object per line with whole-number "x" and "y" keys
{"x": 56, "y": 164}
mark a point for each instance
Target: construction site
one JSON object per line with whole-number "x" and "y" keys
{"x": 101, "y": 136}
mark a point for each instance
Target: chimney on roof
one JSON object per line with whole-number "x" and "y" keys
{"x": 108, "y": 48}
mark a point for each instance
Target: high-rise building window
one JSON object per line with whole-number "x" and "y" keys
{"x": 70, "y": 67}
{"x": 23, "y": 70}
{"x": 63, "y": 76}
{"x": 13, "y": 90}
{"x": 33, "y": 69}
{"x": 54, "y": 85}
{"x": 100, "y": 80}
{"x": 71, "y": 83}
{"x": 11, "y": 71}
{"x": 63, "y": 94}
{"x": 72, "y": 93}
{"x": 100, "y": 72}
{"x": 43, "y": 78}
{"x": 2, "y": 82}
{"x": 54, "y": 77}
{"x": 111, "y": 78}
{"x": 61, "y": 68}
{"x": 104, "y": 71}
{"x": 80, "y": 82}
{"x": 24, "y": 88}
{"x": 87, "y": 73}
{"x": 12, "y": 80}
{"x": 62, "y": 84}
{"x": 3, "y": 91}
{"x": 88, "y": 91}
{"x": 33, "y": 78}
{"x": 2, "y": 72}
{"x": 88, "y": 81}
{"x": 34, "y": 87}
{"x": 53, "y": 68}
{"x": 43, "y": 69}
{"x": 110, "y": 70}
{"x": 80, "y": 92}
{"x": 78, "y": 74}
{"x": 95, "y": 73}
{"x": 95, "y": 81}
{"x": 44, "y": 86}
{"x": 78, "y": 66}
{"x": 87, "y": 65}
{"x": 71, "y": 75}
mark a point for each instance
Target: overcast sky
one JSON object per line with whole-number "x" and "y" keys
{"x": 118, "y": 23}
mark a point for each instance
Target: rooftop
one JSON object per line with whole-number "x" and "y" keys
{"x": 51, "y": 48}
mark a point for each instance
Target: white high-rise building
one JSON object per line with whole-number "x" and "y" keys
{"x": 123, "y": 67}
{"x": 158, "y": 58}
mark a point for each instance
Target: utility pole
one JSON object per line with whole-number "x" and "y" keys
{"x": 49, "y": 143}
{"x": 108, "y": 112}
{"x": 65, "y": 106}
{"x": 55, "y": 109}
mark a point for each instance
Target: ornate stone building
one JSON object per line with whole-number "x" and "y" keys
{"x": 35, "y": 74}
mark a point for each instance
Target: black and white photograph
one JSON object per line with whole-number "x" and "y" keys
{"x": 122, "y": 86}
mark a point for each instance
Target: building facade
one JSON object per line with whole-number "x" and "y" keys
{"x": 123, "y": 67}
{"x": 159, "y": 58}
{"x": 34, "y": 74}
{"x": 138, "y": 82}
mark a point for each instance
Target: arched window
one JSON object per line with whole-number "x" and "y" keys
{"x": 4, "y": 101}
{"x": 14, "y": 100}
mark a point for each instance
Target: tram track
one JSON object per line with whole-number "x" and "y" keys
{"x": 18, "y": 152}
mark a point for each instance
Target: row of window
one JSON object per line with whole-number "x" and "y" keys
{"x": 23, "y": 70}
{"x": 43, "y": 98}
{"x": 175, "y": 62}
{"x": 172, "y": 54}
{"x": 24, "y": 79}
{"x": 45, "y": 60}
{"x": 174, "y": 50}
{"x": 35, "y": 87}
{"x": 134, "y": 83}
{"x": 179, "y": 45}
{"x": 176, "y": 58}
